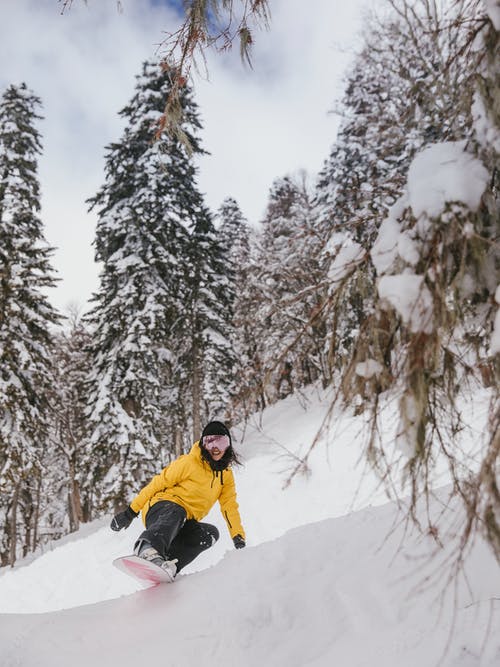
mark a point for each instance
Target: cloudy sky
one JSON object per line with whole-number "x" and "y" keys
{"x": 259, "y": 124}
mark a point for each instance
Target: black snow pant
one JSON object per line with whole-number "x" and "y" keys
{"x": 174, "y": 536}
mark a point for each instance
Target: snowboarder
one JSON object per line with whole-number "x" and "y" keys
{"x": 176, "y": 500}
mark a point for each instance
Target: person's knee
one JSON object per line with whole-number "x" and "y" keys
{"x": 204, "y": 537}
{"x": 213, "y": 533}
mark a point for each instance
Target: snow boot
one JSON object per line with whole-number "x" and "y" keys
{"x": 144, "y": 550}
{"x": 170, "y": 567}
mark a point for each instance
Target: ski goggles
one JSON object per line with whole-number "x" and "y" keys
{"x": 220, "y": 442}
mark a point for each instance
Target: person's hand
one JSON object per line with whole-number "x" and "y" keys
{"x": 238, "y": 542}
{"x": 123, "y": 519}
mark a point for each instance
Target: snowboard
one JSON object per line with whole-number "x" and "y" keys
{"x": 142, "y": 570}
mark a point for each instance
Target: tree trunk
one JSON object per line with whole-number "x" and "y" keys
{"x": 196, "y": 397}
{"x": 178, "y": 442}
{"x": 36, "y": 515}
{"x": 13, "y": 526}
{"x": 75, "y": 508}
{"x": 28, "y": 514}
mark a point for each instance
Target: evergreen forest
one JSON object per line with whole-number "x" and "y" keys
{"x": 200, "y": 315}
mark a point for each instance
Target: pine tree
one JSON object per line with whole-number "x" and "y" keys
{"x": 289, "y": 276}
{"x": 436, "y": 350}
{"x": 482, "y": 497}
{"x": 26, "y": 319}
{"x": 404, "y": 91}
{"x": 70, "y": 432}
{"x": 205, "y": 357}
{"x": 236, "y": 238}
{"x": 235, "y": 235}
{"x": 146, "y": 208}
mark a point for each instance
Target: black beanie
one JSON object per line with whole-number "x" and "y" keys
{"x": 215, "y": 428}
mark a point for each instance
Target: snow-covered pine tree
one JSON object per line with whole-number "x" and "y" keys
{"x": 145, "y": 208}
{"x": 205, "y": 357}
{"x": 482, "y": 499}
{"x": 70, "y": 432}
{"x": 26, "y": 322}
{"x": 236, "y": 237}
{"x": 289, "y": 332}
{"x": 404, "y": 91}
{"x": 441, "y": 241}
{"x": 436, "y": 261}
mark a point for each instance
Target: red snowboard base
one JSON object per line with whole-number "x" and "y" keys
{"x": 142, "y": 570}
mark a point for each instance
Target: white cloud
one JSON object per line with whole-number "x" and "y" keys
{"x": 258, "y": 124}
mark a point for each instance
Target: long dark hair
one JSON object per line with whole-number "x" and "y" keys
{"x": 230, "y": 458}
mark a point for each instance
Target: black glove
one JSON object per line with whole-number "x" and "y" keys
{"x": 123, "y": 519}
{"x": 238, "y": 542}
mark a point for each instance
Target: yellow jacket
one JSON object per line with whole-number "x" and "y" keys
{"x": 190, "y": 482}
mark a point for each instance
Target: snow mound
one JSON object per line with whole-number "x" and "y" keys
{"x": 444, "y": 173}
{"x": 342, "y": 591}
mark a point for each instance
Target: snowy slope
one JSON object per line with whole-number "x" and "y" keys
{"x": 334, "y": 592}
{"x": 353, "y": 590}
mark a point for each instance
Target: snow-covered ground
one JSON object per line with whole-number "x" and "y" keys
{"x": 331, "y": 575}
